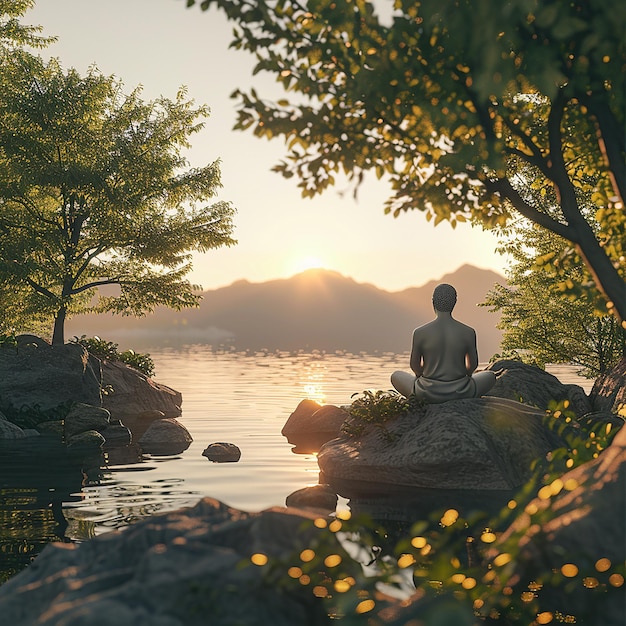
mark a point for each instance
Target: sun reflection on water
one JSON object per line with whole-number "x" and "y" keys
{"x": 314, "y": 382}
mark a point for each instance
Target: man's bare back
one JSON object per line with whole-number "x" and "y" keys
{"x": 443, "y": 357}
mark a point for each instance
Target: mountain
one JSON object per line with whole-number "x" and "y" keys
{"x": 317, "y": 309}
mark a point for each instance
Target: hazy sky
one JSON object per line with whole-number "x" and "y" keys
{"x": 162, "y": 45}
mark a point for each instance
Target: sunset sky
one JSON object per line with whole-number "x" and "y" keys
{"x": 162, "y": 45}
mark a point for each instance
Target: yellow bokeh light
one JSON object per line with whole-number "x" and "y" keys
{"x": 531, "y": 508}
{"x": 320, "y": 523}
{"x": 569, "y": 570}
{"x": 332, "y": 560}
{"x": 307, "y": 555}
{"x": 544, "y": 618}
{"x": 319, "y": 591}
{"x": 304, "y": 579}
{"x": 457, "y": 578}
{"x": 512, "y": 504}
{"x": 527, "y": 596}
{"x": 544, "y": 493}
{"x": 418, "y": 542}
{"x": 294, "y": 572}
{"x": 502, "y": 559}
{"x": 488, "y": 537}
{"x": 603, "y": 565}
{"x": 616, "y": 580}
{"x": 449, "y": 517}
{"x": 335, "y": 526}
{"x": 468, "y": 583}
{"x": 365, "y": 606}
{"x": 344, "y": 514}
{"x": 259, "y": 559}
{"x": 571, "y": 484}
{"x": 406, "y": 560}
{"x": 341, "y": 586}
{"x": 590, "y": 582}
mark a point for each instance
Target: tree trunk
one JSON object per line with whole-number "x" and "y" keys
{"x": 58, "y": 334}
{"x": 604, "y": 274}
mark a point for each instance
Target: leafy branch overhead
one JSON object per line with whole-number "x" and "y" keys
{"x": 95, "y": 191}
{"x": 461, "y": 125}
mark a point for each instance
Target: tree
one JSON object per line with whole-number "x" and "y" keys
{"x": 543, "y": 324}
{"x": 95, "y": 191}
{"x": 13, "y": 34}
{"x": 446, "y": 100}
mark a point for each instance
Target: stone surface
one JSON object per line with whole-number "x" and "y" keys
{"x": 116, "y": 435}
{"x": 483, "y": 443}
{"x": 222, "y": 452}
{"x": 85, "y": 442}
{"x": 536, "y": 387}
{"x": 165, "y": 436}
{"x": 8, "y": 430}
{"x": 133, "y": 393}
{"x": 38, "y": 374}
{"x": 312, "y": 425}
{"x": 581, "y": 524}
{"x": 609, "y": 390}
{"x": 186, "y": 568}
{"x": 82, "y": 417}
{"x": 315, "y": 497}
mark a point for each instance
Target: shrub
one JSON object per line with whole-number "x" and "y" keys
{"x": 108, "y": 350}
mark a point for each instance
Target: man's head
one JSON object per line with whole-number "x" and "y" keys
{"x": 444, "y": 298}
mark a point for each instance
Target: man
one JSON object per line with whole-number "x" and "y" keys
{"x": 444, "y": 357}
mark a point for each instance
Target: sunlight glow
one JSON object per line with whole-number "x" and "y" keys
{"x": 306, "y": 263}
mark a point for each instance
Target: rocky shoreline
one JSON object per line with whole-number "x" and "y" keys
{"x": 565, "y": 545}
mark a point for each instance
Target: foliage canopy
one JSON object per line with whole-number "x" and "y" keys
{"x": 542, "y": 323}
{"x": 95, "y": 190}
{"x": 451, "y": 117}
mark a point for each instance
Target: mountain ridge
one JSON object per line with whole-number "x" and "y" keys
{"x": 317, "y": 309}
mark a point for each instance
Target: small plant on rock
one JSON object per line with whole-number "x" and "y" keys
{"x": 377, "y": 408}
{"x": 108, "y": 350}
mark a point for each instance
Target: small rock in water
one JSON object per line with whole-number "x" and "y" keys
{"x": 221, "y": 452}
{"x": 165, "y": 437}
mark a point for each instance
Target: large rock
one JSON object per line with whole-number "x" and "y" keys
{"x": 312, "y": 425}
{"x": 579, "y": 523}
{"x": 609, "y": 390}
{"x": 473, "y": 444}
{"x": 536, "y": 387}
{"x": 36, "y": 374}
{"x": 130, "y": 393}
{"x": 187, "y": 568}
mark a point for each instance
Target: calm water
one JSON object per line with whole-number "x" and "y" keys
{"x": 240, "y": 398}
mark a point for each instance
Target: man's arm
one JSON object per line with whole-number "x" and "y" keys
{"x": 471, "y": 357}
{"x": 417, "y": 358}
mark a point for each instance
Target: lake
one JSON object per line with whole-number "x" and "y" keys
{"x": 241, "y": 398}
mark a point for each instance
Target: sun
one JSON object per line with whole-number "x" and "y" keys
{"x": 307, "y": 263}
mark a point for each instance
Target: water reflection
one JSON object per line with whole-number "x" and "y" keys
{"x": 233, "y": 397}
{"x": 33, "y": 491}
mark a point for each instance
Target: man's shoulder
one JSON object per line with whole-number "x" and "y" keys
{"x": 465, "y": 328}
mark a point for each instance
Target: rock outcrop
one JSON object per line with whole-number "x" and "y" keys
{"x": 580, "y": 524}
{"x": 132, "y": 394}
{"x": 533, "y": 386}
{"x": 36, "y": 374}
{"x": 484, "y": 443}
{"x": 312, "y": 425}
{"x": 187, "y": 568}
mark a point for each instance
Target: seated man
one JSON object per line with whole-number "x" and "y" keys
{"x": 444, "y": 357}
